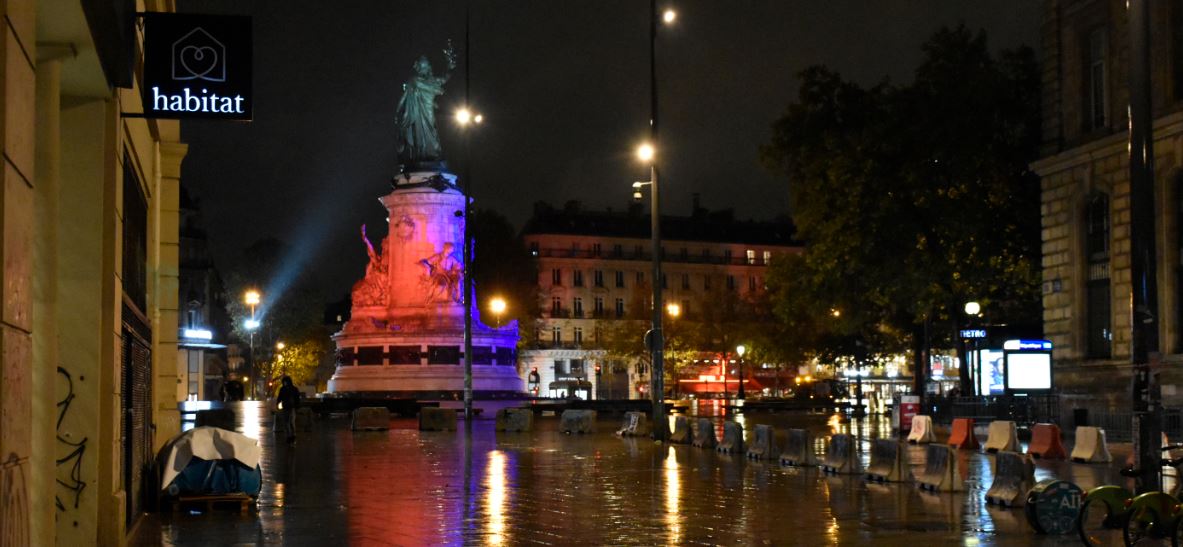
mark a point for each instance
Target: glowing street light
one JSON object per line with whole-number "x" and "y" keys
{"x": 836, "y": 312}
{"x": 740, "y": 350}
{"x": 497, "y": 305}
{"x": 463, "y": 116}
{"x": 251, "y": 298}
{"x": 251, "y": 324}
{"x": 280, "y": 346}
{"x": 673, "y": 309}
{"x": 668, "y": 16}
{"x": 973, "y": 308}
{"x": 645, "y": 152}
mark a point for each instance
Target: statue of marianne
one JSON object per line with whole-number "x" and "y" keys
{"x": 419, "y": 141}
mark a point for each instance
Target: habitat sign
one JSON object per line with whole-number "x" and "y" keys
{"x": 197, "y": 66}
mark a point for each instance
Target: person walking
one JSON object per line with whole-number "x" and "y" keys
{"x": 288, "y": 400}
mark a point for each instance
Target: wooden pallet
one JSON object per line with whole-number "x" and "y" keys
{"x": 243, "y": 501}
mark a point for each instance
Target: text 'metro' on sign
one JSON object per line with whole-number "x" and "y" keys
{"x": 197, "y": 66}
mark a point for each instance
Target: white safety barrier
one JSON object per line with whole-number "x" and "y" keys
{"x": 370, "y": 418}
{"x": 888, "y": 462}
{"x": 1014, "y": 475}
{"x": 636, "y": 424}
{"x": 704, "y": 434}
{"x": 798, "y": 449}
{"x": 732, "y": 441}
{"x": 681, "y": 433}
{"x": 841, "y": 455}
{"x": 763, "y": 445}
{"x": 1090, "y": 446}
{"x": 1002, "y": 436}
{"x": 921, "y": 430}
{"x": 940, "y": 470}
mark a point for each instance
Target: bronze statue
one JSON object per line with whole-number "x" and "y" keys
{"x": 419, "y": 140}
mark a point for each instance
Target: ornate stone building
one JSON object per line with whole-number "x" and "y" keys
{"x": 1086, "y": 201}
{"x": 594, "y": 273}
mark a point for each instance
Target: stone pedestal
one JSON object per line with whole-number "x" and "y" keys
{"x": 405, "y": 337}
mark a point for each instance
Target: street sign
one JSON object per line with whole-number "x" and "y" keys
{"x": 197, "y": 66}
{"x": 973, "y": 333}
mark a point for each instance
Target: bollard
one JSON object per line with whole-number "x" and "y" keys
{"x": 577, "y": 421}
{"x": 370, "y": 418}
{"x": 940, "y": 470}
{"x": 763, "y": 446}
{"x": 437, "y": 419}
{"x": 963, "y": 434}
{"x": 841, "y": 456}
{"x": 921, "y": 430}
{"x": 636, "y": 424}
{"x": 798, "y": 449}
{"x": 681, "y": 433}
{"x": 1045, "y": 442}
{"x": 514, "y": 420}
{"x": 704, "y": 434}
{"x": 732, "y": 441}
{"x": 1003, "y": 436}
{"x": 304, "y": 419}
{"x": 1090, "y": 446}
{"x": 887, "y": 463}
{"x": 1014, "y": 475}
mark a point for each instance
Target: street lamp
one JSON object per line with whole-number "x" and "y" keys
{"x": 740, "y": 350}
{"x": 673, "y": 309}
{"x": 252, "y": 299}
{"x": 463, "y": 117}
{"x": 497, "y": 306}
{"x": 972, "y": 310}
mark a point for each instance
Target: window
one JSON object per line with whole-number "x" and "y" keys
{"x": 638, "y": 251}
{"x": 686, "y": 281}
{"x": 617, "y": 251}
{"x": 731, "y": 282}
{"x": 595, "y": 249}
{"x": 577, "y": 307}
{"x": 599, "y": 278}
{"x": 556, "y": 337}
{"x": 1099, "y": 336}
{"x": 576, "y": 366}
{"x": 727, "y": 256}
{"x": 556, "y": 306}
{"x": 578, "y": 337}
{"x": 751, "y": 282}
{"x": 640, "y": 278}
{"x": 619, "y": 308}
{"x": 556, "y": 276}
{"x": 664, "y": 281}
{"x": 1096, "y": 84}
{"x": 751, "y": 255}
{"x": 619, "y": 279}
{"x": 560, "y": 368}
{"x": 599, "y": 307}
{"x": 577, "y": 278}
{"x": 597, "y": 335}
{"x": 767, "y": 257}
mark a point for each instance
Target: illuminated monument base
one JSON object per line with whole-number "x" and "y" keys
{"x": 405, "y": 337}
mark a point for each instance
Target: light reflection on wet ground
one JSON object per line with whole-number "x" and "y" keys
{"x": 404, "y": 487}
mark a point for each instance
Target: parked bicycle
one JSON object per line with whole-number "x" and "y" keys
{"x": 1111, "y": 514}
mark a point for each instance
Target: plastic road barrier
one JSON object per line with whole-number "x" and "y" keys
{"x": 704, "y": 433}
{"x": 437, "y": 419}
{"x": 1003, "y": 436}
{"x": 1014, "y": 475}
{"x": 577, "y": 421}
{"x": 963, "y": 434}
{"x": 798, "y": 449}
{"x": 1045, "y": 442}
{"x": 841, "y": 456}
{"x": 304, "y": 418}
{"x": 515, "y": 419}
{"x": 921, "y": 430}
{"x": 940, "y": 470}
{"x": 1090, "y": 446}
{"x": 370, "y": 418}
{"x": 887, "y": 461}
{"x": 681, "y": 433}
{"x": 636, "y": 424}
{"x": 732, "y": 441}
{"x": 763, "y": 445}
{"x": 1053, "y": 507}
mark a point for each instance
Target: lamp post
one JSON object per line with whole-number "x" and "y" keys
{"x": 972, "y": 310}
{"x": 497, "y": 306}
{"x": 466, "y": 118}
{"x": 252, "y": 299}
{"x": 740, "y": 350}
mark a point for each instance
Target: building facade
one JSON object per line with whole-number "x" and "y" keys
{"x": 202, "y": 364}
{"x": 88, "y": 349}
{"x": 1085, "y": 203}
{"x": 594, "y": 281}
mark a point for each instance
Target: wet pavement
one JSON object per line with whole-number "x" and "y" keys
{"x": 406, "y": 487}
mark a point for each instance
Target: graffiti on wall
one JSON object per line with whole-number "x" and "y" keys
{"x": 71, "y": 482}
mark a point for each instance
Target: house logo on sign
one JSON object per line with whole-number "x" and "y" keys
{"x": 199, "y": 56}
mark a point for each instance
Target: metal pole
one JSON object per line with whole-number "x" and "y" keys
{"x": 467, "y": 253}
{"x": 1144, "y": 303}
{"x": 740, "y": 395}
{"x": 657, "y": 339}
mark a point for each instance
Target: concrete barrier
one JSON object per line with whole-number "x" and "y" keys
{"x": 963, "y": 434}
{"x": 921, "y": 430}
{"x": 888, "y": 461}
{"x": 841, "y": 455}
{"x": 763, "y": 445}
{"x": 1003, "y": 436}
{"x": 1014, "y": 475}
{"x": 219, "y": 417}
{"x": 1045, "y": 442}
{"x": 681, "y": 433}
{"x": 732, "y": 441}
{"x": 1090, "y": 446}
{"x": 304, "y": 419}
{"x": 940, "y": 470}
{"x": 704, "y": 433}
{"x": 514, "y": 420}
{"x": 437, "y": 419}
{"x": 577, "y": 421}
{"x": 636, "y": 424}
{"x": 370, "y": 418}
{"x": 798, "y": 450}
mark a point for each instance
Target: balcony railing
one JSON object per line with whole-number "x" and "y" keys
{"x": 648, "y": 256}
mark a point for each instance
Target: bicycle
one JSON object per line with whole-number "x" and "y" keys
{"x": 1109, "y": 512}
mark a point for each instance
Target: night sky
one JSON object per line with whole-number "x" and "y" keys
{"x": 563, "y": 85}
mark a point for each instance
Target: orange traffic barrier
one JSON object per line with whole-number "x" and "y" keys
{"x": 1045, "y": 442}
{"x": 963, "y": 434}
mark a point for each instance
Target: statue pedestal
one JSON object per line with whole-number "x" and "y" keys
{"x": 406, "y": 334}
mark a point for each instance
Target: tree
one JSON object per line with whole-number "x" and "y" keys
{"x": 299, "y": 360}
{"x": 911, "y": 201}
{"x": 502, "y": 267}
